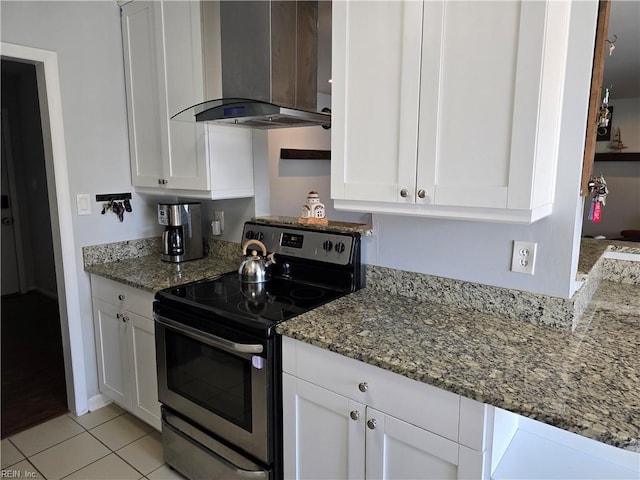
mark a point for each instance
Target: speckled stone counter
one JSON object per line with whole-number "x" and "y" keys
{"x": 586, "y": 382}
{"x": 593, "y": 253}
{"x": 149, "y": 273}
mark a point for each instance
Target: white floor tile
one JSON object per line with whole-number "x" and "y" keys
{"x": 10, "y": 454}
{"x": 110, "y": 467}
{"x": 23, "y": 469}
{"x": 98, "y": 417}
{"x": 69, "y": 456}
{"x": 144, "y": 454}
{"x": 46, "y": 435}
{"x": 121, "y": 431}
{"x": 165, "y": 473}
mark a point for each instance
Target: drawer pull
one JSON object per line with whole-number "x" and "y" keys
{"x": 121, "y": 297}
{"x": 355, "y": 414}
{"x": 363, "y": 386}
{"x": 372, "y": 424}
{"x": 125, "y": 319}
{"x": 119, "y": 316}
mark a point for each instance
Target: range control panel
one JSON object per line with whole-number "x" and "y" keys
{"x": 299, "y": 242}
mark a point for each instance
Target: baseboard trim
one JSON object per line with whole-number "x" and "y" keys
{"x": 96, "y": 402}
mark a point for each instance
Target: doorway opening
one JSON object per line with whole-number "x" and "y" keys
{"x": 33, "y": 371}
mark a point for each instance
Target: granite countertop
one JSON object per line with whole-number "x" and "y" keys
{"x": 152, "y": 274}
{"x": 591, "y": 250}
{"x": 586, "y": 382}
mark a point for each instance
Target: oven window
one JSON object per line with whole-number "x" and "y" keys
{"x": 212, "y": 378}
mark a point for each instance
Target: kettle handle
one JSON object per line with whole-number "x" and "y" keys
{"x": 256, "y": 242}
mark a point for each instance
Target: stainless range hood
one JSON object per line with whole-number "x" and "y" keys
{"x": 261, "y": 64}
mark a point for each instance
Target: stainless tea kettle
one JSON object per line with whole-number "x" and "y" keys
{"x": 254, "y": 268}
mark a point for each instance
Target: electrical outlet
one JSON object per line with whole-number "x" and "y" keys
{"x": 524, "y": 257}
{"x": 219, "y": 215}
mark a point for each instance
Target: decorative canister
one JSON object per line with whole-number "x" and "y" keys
{"x": 313, "y": 211}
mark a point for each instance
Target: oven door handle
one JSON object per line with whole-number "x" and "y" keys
{"x": 209, "y": 339}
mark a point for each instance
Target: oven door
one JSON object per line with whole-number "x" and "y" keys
{"x": 219, "y": 383}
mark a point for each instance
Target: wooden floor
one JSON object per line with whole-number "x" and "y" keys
{"x": 32, "y": 369}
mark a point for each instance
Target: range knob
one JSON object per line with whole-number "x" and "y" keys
{"x": 249, "y": 235}
{"x": 327, "y": 245}
{"x": 259, "y": 236}
{"x": 339, "y": 247}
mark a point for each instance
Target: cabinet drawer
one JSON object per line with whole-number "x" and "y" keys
{"x": 415, "y": 402}
{"x": 127, "y": 298}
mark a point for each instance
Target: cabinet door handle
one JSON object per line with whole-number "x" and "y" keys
{"x": 404, "y": 193}
{"x": 121, "y": 297}
{"x": 355, "y": 414}
{"x": 159, "y": 181}
{"x": 422, "y": 193}
{"x": 363, "y": 386}
{"x": 372, "y": 424}
{"x": 125, "y": 319}
{"x": 119, "y": 316}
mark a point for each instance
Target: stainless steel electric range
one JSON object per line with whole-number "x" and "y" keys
{"x": 219, "y": 357}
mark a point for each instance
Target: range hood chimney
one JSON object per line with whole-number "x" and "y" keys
{"x": 261, "y": 64}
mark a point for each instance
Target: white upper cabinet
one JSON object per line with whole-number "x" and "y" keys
{"x": 447, "y": 109}
{"x": 164, "y": 72}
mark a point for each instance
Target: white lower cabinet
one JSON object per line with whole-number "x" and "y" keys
{"x": 380, "y": 429}
{"x": 321, "y": 438}
{"x": 125, "y": 347}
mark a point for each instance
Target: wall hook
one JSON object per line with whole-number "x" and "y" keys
{"x": 612, "y": 47}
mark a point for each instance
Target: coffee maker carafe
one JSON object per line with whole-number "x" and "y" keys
{"x": 182, "y": 236}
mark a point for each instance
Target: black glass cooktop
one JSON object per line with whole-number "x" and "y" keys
{"x": 267, "y": 303}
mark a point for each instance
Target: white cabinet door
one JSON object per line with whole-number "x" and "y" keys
{"x": 143, "y": 89}
{"x": 112, "y": 351}
{"x": 145, "y": 384}
{"x": 375, "y": 99}
{"x": 322, "y": 440}
{"x": 489, "y": 119}
{"x": 181, "y": 45}
{"x": 398, "y": 450}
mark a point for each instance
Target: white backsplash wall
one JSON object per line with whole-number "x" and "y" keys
{"x": 291, "y": 180}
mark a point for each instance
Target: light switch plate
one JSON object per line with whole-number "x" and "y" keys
{"x": 84, "y": 203}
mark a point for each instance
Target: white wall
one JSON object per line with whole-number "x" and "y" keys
{"x": 87, "y": 39}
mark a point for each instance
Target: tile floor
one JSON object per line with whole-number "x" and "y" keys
{"x": 108, "y": 444}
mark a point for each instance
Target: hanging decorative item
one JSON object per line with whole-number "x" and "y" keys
{"x": 616, "y": 143}
{"x": 598, "y": 190}
{"x": 313, "y": 211}
{"x": 604, "y": 117}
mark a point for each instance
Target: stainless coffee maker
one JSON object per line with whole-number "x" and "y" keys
{"x": 182, "y": 236}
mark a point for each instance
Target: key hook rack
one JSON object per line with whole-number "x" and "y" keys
{"x": 118, "y": 203}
